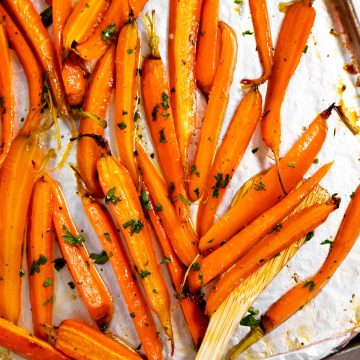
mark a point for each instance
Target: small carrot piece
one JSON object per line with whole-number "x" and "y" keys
{"x": 223, "y": 257}
{"x": 80, "y": 341}
{"x": 264, "y": 46}
{"x": 292, "y": 230}
{"x": 294, "y": 33}
{"x": 214, "y": 115}
{"x": 228, "y": 157}
{"x": 268, "y": 192}
{"x": 96, "y": 105}
{"x": 17, "y": 177}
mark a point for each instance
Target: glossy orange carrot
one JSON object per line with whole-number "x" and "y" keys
{"x": 214, "y": 115}
{"x": 96, "y": 105}
{"x": 122, "y": 197}
{"x": 155, "y": 91}
{"x": 184, "y": 242}
{"x": 17, "y": 176}
{"x": 227, "y": 158}
{"x": 81, "y": 341}
{"x": 264, "y": 46}
{"x": 127, "y": 71}
{"x": 292, "y": 230}
{"x": 268, "y": 192}
{"x": 294, "y": 33}
{"x": 223, "y": 257}
{"x": 209, "y": 45}
{"x": 183, "y": 32}
{"x": 86, "y": 278}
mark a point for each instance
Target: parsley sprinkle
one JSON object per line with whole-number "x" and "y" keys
{"x": 220, "y": 183}
{"x": 101, "y": 258}
{"x": 309, "y": 236}
{"x": 121, "y": 125}
{"x": 158, "y": 207}
{"x": 165, "y": 115}
{"x": 135, "y": 226}
{"x": 110, "y": 197}
{"x": 154, "y": 112}
{"x": 195, "y": 266}
{"x": 48, "y": 300}
{"x": 69, "y": 238}
{"x": 144, "y": 273}
{"x": 21, "y": 272}
{"x": 59, "y": 263}
{"x": 305, "y": 49}
{"x": 46, "y": 16}
{"x": 108, "y": 33}
{"x": 165, "y": 100}
{"x": 145, "y": 200}
{"x": 247, "y": 32}
{"x": 35, "y": 266}
{"x": 130, "y": 51}
{"x": 185, "y": 200}
{"x": 47, "y": 282}
{"x": 137, "y": 115}
{"x": 193, "y": 170}
{"x": 311, "y": 285}
{"x": 124, "y": 112}
{"x": 238, "y": 2}
{"x": 316, "y": 161}
{"x": 171, "y": 188}
{"x": 132, "y": 315}
{"x": 352, "y": 195}
{"x": 165, "y": 260}
{"x": 260, "y": 186}
{"x": 327, "y": 241}
{"x": 291, "y": 164}
{"x": 249, "y": 320}
{"x": 162, "y": 136}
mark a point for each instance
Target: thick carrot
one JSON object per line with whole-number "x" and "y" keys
{"x": 268, "y": 192}
{"x": 17, "y": 176}
{"x": 228, "y": 157}
{"x": 225, "y": 256}
{"x": 96, "y": 105}
{"x": 292, "y": 230}
{"x": 294, "y": 33}
{"x": 264, "y": 46}
{"x": 218, "y": 99}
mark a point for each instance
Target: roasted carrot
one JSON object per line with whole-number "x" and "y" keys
{"x": 127, "y": 71}
{"x": 294, "y": 33}
{"x": 96, "y": 105}
{"x": 225, "y": 256}
{"x": 17, "y": 176}
{"x": 80, "y": 341}
{"x": 292, "y": 230}
{"x": 268, "y": 191}
{"x": 264, "y": 46}
{"x": 231, "y": 150}
{"x": 218, "y": 99}
{"x": 86, "y": 278}
{"x": 155, "y": 92}
{"x": 122, "y": 197}
{"x": 184, "y": 242}
{"x": 183, "y": 32}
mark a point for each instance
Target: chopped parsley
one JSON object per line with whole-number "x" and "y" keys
{"x": 158, "y": 207}
{"x": 101, "y": 258}
{"x": 247, "y": 32}
{"x": 144, "y": 273}
{"x": 145, "y": 200}
{"x": 49, "y": 300}
{"x": 135, "y": 226}
{"x": 221, "y": 183}
{"x": 155, "y": 111}
{"x": 35, "y": 266}
{"x": 46, "y": 16}
{"x": 309, "y": 235}
{"x": 132, "y": 315}
{"x": 311, "y": 285}
{"x": 137, "y": 115}
{"x": 107, "y": 35}
{"x": 70, "y": 239}
{"x": 352, "y": 195}
{"x": 193, "y": 170}
{"x": 111, "y": 198}
{"x": 165, "y": 101}
{"x": 47, "y": 282}
{"x": 130, "y": 51}
{"x": 291, "y": 164}
{"x": 162, "y": 136}
{"x": 59, "y": 263}
{"x": 305, "y": 49}
{"x": 316, "y": 161}
{"x": 327, "y": 242}
{"x": 195, "y": 266}
{"x": 185, "y": 200}
{"x": 165, "y": 260}
{"x": 21, "y": 272}
{"x": 107, "y": 236}
{"x": 260, "y": 186}
{"x": 250, "y": 319}
{"x": 121, "y": 125}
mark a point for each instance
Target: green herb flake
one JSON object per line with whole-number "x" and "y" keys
{"x": 21, "y": 272}
{"x": 185, "y": 200}
{"x": 291, "y": 164}
{"x": 70, "y": 239}
{"x": 253, "y": 310}
{"x": 165, "y": 115}
{"x": 238, "y": 2}
{"x": 171, "y": 188}
{"x": 49, "y": 300}
{"x": 145, "y": 200}
{"x": 247, "y": 32}
{"x": 144, "y": 273}
{"x": 132, "y": 315}
{"x": 195, "y": 266}
{"x": 165, "y": 101}
{"x": 135, "y": 226}
{"x": 137, "y": 115}
{"x": 193, "y": 170}
{"x": 107, "y": 35}
{"x": 107, "y": 236}
{"x": 158, "y": 207}
{"x": 71, "y": 285}
{"x": 305, "y": 49}
{"x": 35, "y": 266}
{"x": 309, "y": 235}
{"x": 316, "y": 161}
{"x": 249, "y": 320}
{"x": 352, "y": 195}
{"x": 47, "y": 282}
{"x": 130, "y": 51}
{"x": 165, "y": 260}
{"x": 46, "y": 16}
{"x": 121, "y": 125}
{"x": 311, "y": 285}
{"x": 260, "y": 186}
{"x": 327, "y": 242}
{"x": 124, "y": 112}
{"x": 59, "y": 263}
{"x": 162, "y": 136}
{"x": 155, "y": 111}
{"x": 220, "y": 183}
{"x": 101, "y": 258}
{"x": 111, "y": 198}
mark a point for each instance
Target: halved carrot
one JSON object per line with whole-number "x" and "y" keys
{"x": 17, "y": 177}
{"x": 218, "y": 99}
{"x": 268, "y": 192}
{"x": 228, "y": 157}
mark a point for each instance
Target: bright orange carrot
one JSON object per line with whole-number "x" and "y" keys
{"x": 17, "y": 176}
{"x": 294, "y": 33}
{"x": 268, "y": 192}
{"x": 214, "y": 115}
{"x": 231, "y": 150}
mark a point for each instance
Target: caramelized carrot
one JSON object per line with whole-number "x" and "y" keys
{"x": 292, "y": 230}
{"x": 215, "y": 111}
{"x": 228, "y": 157}
{"x": 96, "y": 104}
{"x": 264, "y": 46}
{"x": 294, "y": 33}
{"x": 17, "y": 176}
{"x": 268, "y": 192}
{"x": 225, "y": 256}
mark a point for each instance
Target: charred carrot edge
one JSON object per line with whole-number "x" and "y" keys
{"x": 17, "y": 178}
{"x": 96, "y": 103}
{"x": 228, "y": 157}
{"x": 184, "y": 242}
{"x": 214, "y": 114}
{"x": 155, "y": 91}
{"x": 292, "y": 229}
{"x": 127, "y": 71}
{"x": 268, "y": 192}
{"x": 122, "y": 197}
{"x": 86, "y": 278}
{"x": 208, "y": 46}
{"x": 264, "y": 46}
{"x": 294, "y": 33}
{"x": 183, "y": 32}
{"x": 80, "y": 341}
{"x": 225, "y": 256}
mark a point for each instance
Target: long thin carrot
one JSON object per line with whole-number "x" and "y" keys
{"x": 218, "y": 99}
{"x": 268, "y": 191}
{"x": 228, "y": 157}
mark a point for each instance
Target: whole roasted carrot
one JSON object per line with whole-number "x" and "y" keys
{"x": 294, "y": 33}
{"x": 292, "y": 230}
{"x": 17, "y": 177}
{"x": 160, "y": 119}
{"x": 96, "y": 105}
{"x": 214, "y": 115}
{"x": 223, "y": 257}
{"x": 228, "y": 157}
{"x": 264, "y": 46}
{"x": 268, "y": 191}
